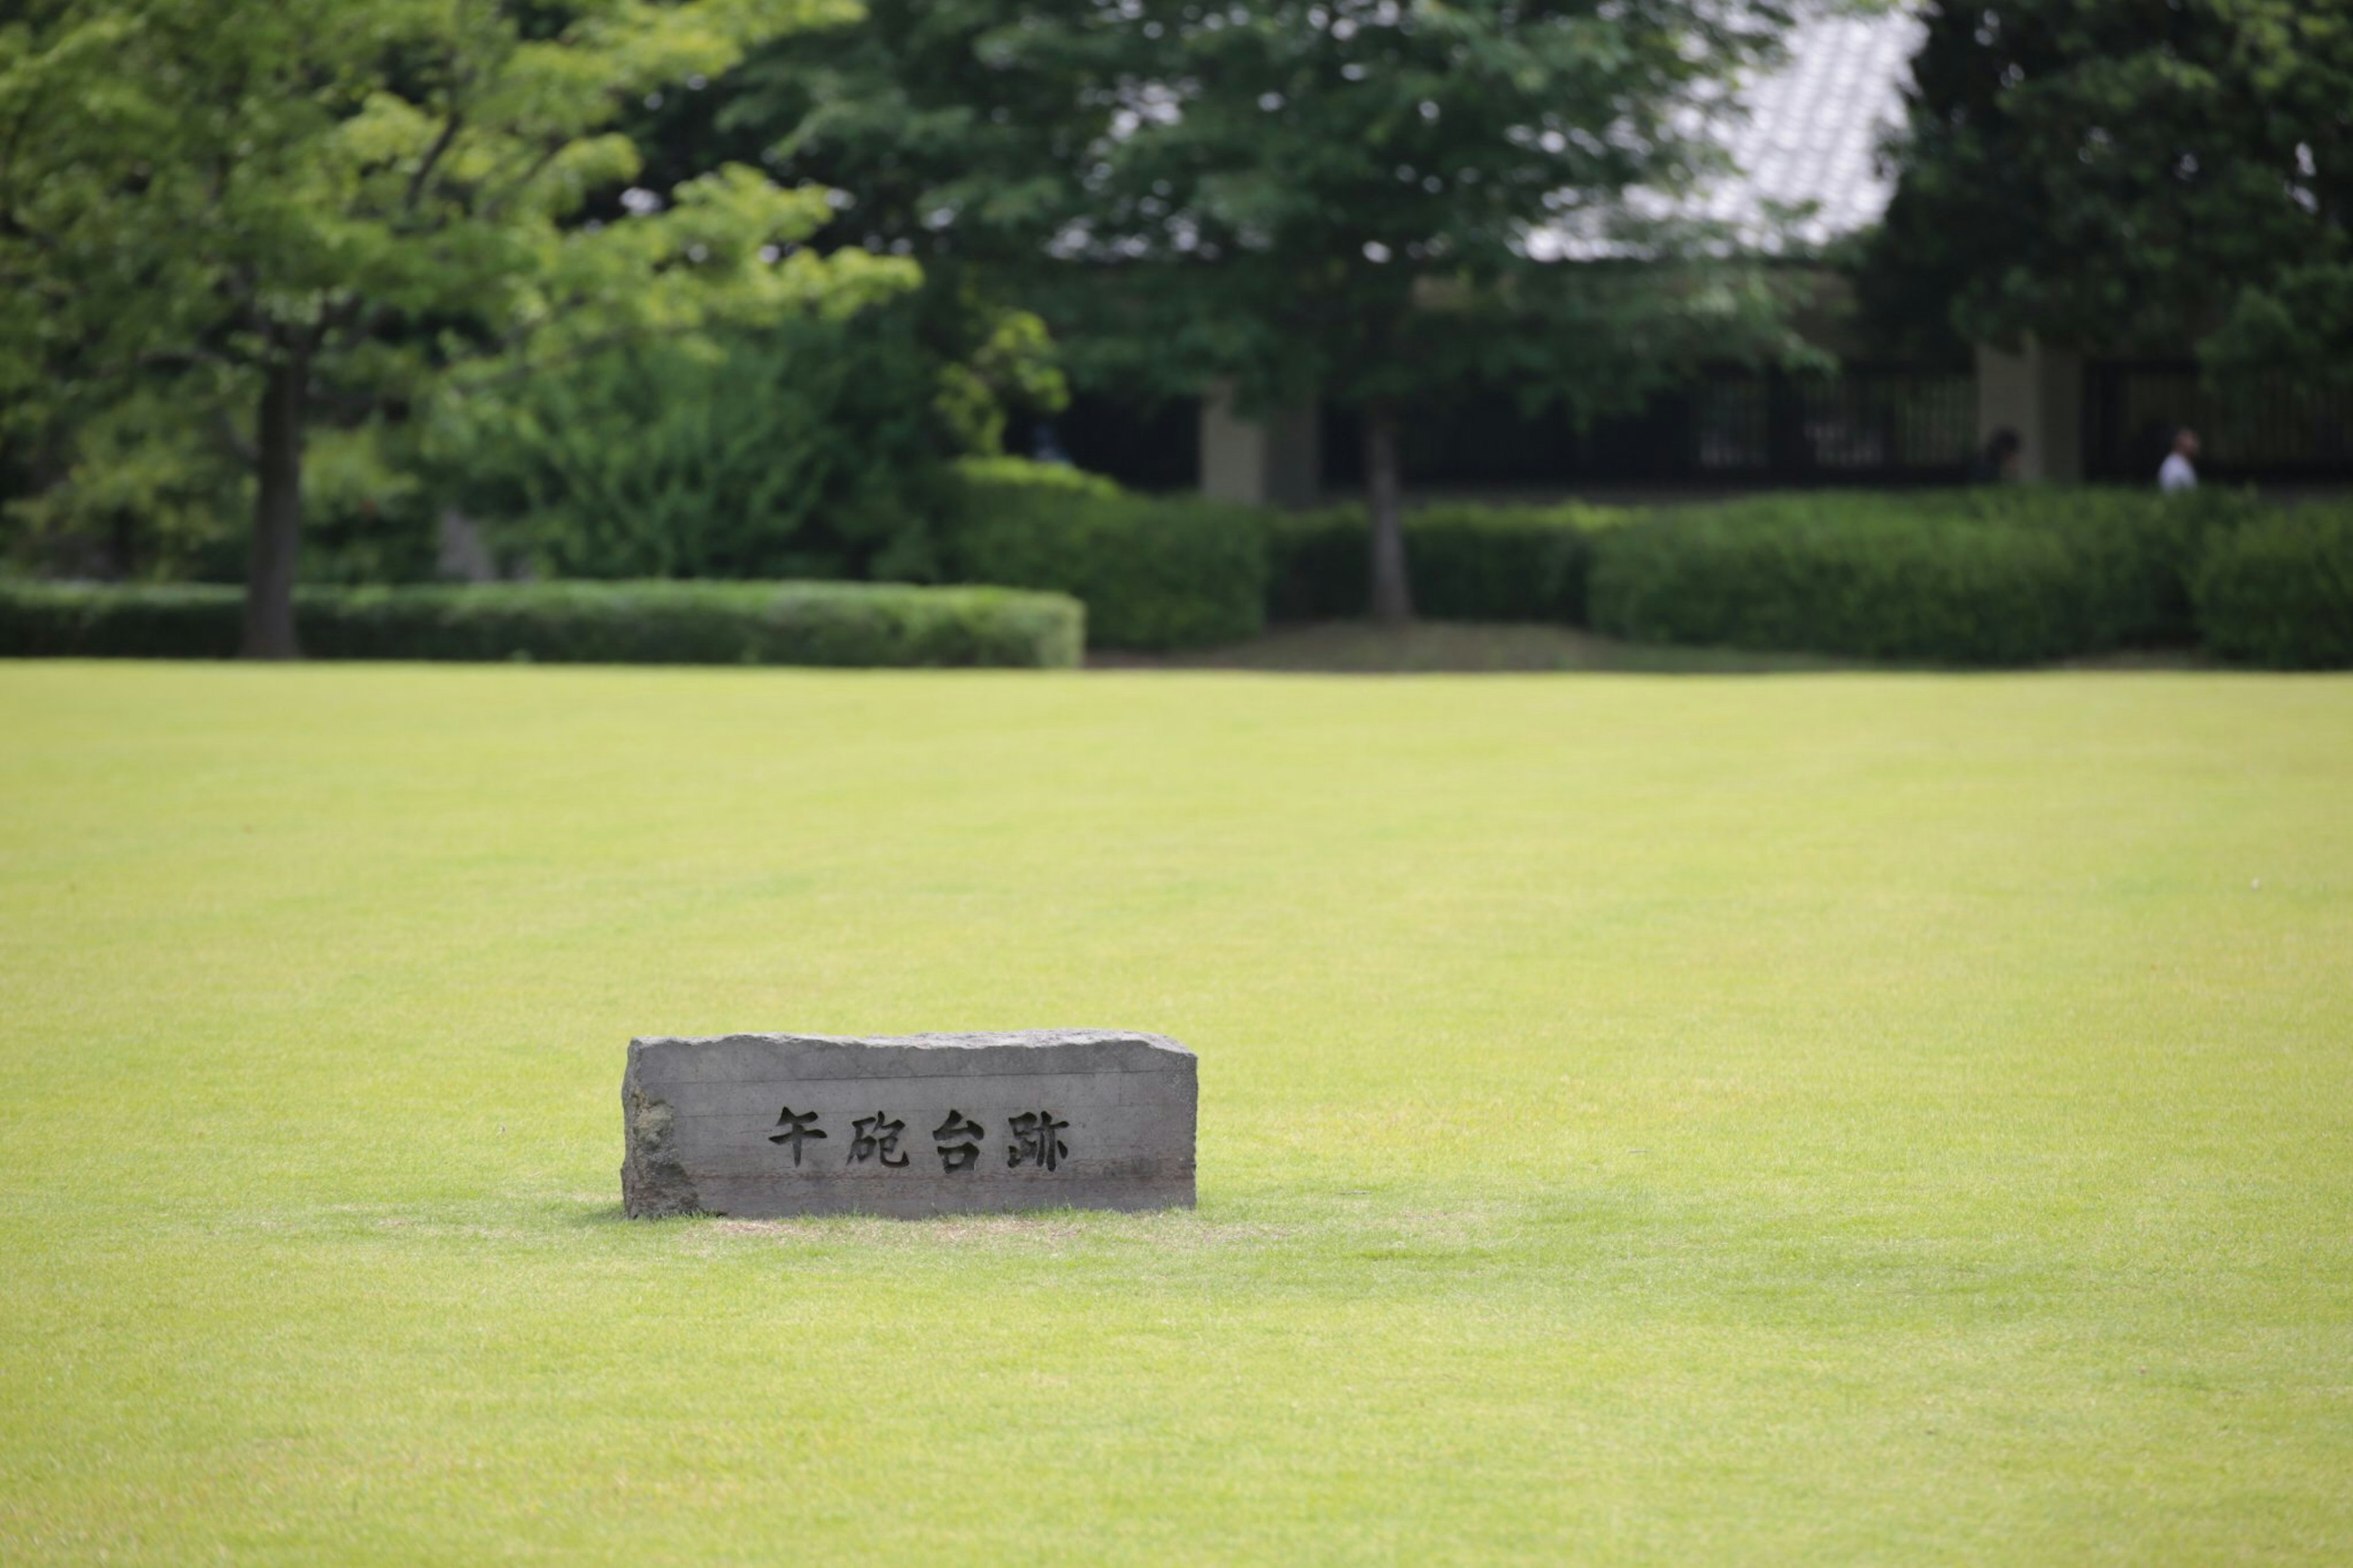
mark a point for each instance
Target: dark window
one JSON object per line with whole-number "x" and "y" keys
{"x": 1144, "y": 446}
{"x": 1870, "y": 424}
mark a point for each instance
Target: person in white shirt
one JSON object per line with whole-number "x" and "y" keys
{"x": 2178, "y": 473}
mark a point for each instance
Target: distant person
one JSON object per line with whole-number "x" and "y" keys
{"x": 1046, "y": 447}
{"x": 2178, "y": 473}
{"x": 1998, "y": 462}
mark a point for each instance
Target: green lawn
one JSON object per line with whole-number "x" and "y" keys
{"x": 1838, "y": 1117}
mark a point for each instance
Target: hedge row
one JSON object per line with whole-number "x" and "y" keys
{"x": 1466, "y": 563}
{"x": 1991, "y": 577}
{"x": 1946, "y": 578}
{"x": 1154, "y": 573}
{"x": 569, "y": 623}
{"x": 1900, "y": 588}
{"x": 1998, "y": 575}
{"x": 1158, "y": 573}
{"x": 2003, "y": 574}
{"x": 2279, "y": 592}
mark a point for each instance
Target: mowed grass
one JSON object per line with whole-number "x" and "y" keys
{"x": 1844, "y": 1117}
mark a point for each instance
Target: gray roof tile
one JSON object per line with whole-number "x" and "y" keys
{"x": 1804, "y": 144}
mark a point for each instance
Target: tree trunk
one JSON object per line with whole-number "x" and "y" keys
{"x": 1392, "y": 598}
{"x": 276, "y": 514}
{"x": 123, "y": 544}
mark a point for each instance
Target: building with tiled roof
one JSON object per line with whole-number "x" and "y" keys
{"x": 1810, "y": 142}
{"x": 1803, "y": 141}
{"x": 1804, "y": 167}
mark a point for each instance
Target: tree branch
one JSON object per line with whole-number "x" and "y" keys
{"x": 491, "y": 209}
{"x": 432, "y": 159}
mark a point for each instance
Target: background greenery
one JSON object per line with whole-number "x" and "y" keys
{"x": 1469, "y": 563}
{"x": 1153, "y": 572}
{"x": 285, "y": 214}
{"x": 725, "y": 288}
{"x": 1991, "y": 575}
{"x": 2279, "y": 592}
{"x": 808, "y": 450}
{"x": 848, "y": 624}
{"x": 1849, "y": 1117}
{"x": 1995, "y": 575}
{"x": 2126, "y": 178}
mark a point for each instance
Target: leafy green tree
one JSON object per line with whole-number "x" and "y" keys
{"x": 141, "y": 489}
{"x": 993, "y": 357}
{"x": 1360, "y": 200}
{"x": 812, "y": 448}
{"x": 2146, "y": 176}
{"x": 321, "y": 207}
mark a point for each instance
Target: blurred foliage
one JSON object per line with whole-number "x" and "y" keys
{"x": 815, "y": 449}
{"x": 1995, "y": 574}
{"x": 2279, "y": 593}
{"x": 1348, "y": 201}
{"x": 369, "y": 515}
{"x": 1351, "y": 200}
{"x": 2128, "y": 177}
{"x": 1155, "y": 572}
{"x": 1011, "y": 363}
{"x": 1469, "y": 563}
{"x": 323, "y": 208}
{"x": 1011, "y": 473}
{"x": 840, "y": 624}
{"x": 142, "y": 487}
{"x": 808, "y": 450}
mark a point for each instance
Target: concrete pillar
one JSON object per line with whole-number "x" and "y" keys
{"x": 1274, "y": 460}
{"x": 2039, "y": 392}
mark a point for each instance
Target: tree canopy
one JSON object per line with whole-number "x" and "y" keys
{"x": 321, "y": 204}
{"x": 2142, "y": 176}
{"x": 1353, "y": 199}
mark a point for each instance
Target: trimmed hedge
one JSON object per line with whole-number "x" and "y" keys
{"x": 1154, "y": 573}
{"x": 1995, "y": 575}
{"x": 2136, "y": 548}
{"x": 840, "y": 624}
{"x": 2279, "y": 593}
{"x": 2000, "y": 576}
{"x": 1467, "y": 563}
{"x": 1900, "y": 588}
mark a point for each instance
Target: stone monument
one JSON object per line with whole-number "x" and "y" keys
{"x": 769, "y": 1125}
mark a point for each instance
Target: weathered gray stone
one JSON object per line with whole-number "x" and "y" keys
{"x": 768, "y": 1125}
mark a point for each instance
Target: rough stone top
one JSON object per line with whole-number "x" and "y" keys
{"x": 669, "y": 1057}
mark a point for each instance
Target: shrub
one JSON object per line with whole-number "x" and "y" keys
{"x": 1899, "y": 588}
{"x": 1467, "y": 563}
{"x": 84, "y": 620}
{"x": 2279, "y": 592}
{"x": 141, "y": 487}
{"x": 1998, "y": 576}
{"x": 620, "y": 623}
{"x": 808, "y": 449}
{"x": 2137, "y": 550}
{"x": 1153, "y": 573}
{"x": 1316, "y": 566}
{"x": 1004, "y": 473}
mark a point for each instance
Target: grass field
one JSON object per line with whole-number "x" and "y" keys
{"x": 1836, "y": 1117}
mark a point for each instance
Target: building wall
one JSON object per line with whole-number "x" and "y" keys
{"x": 1272, "y": 460}
{"x": 1736, "y": 431}
{"x": 2039, "y": 394}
